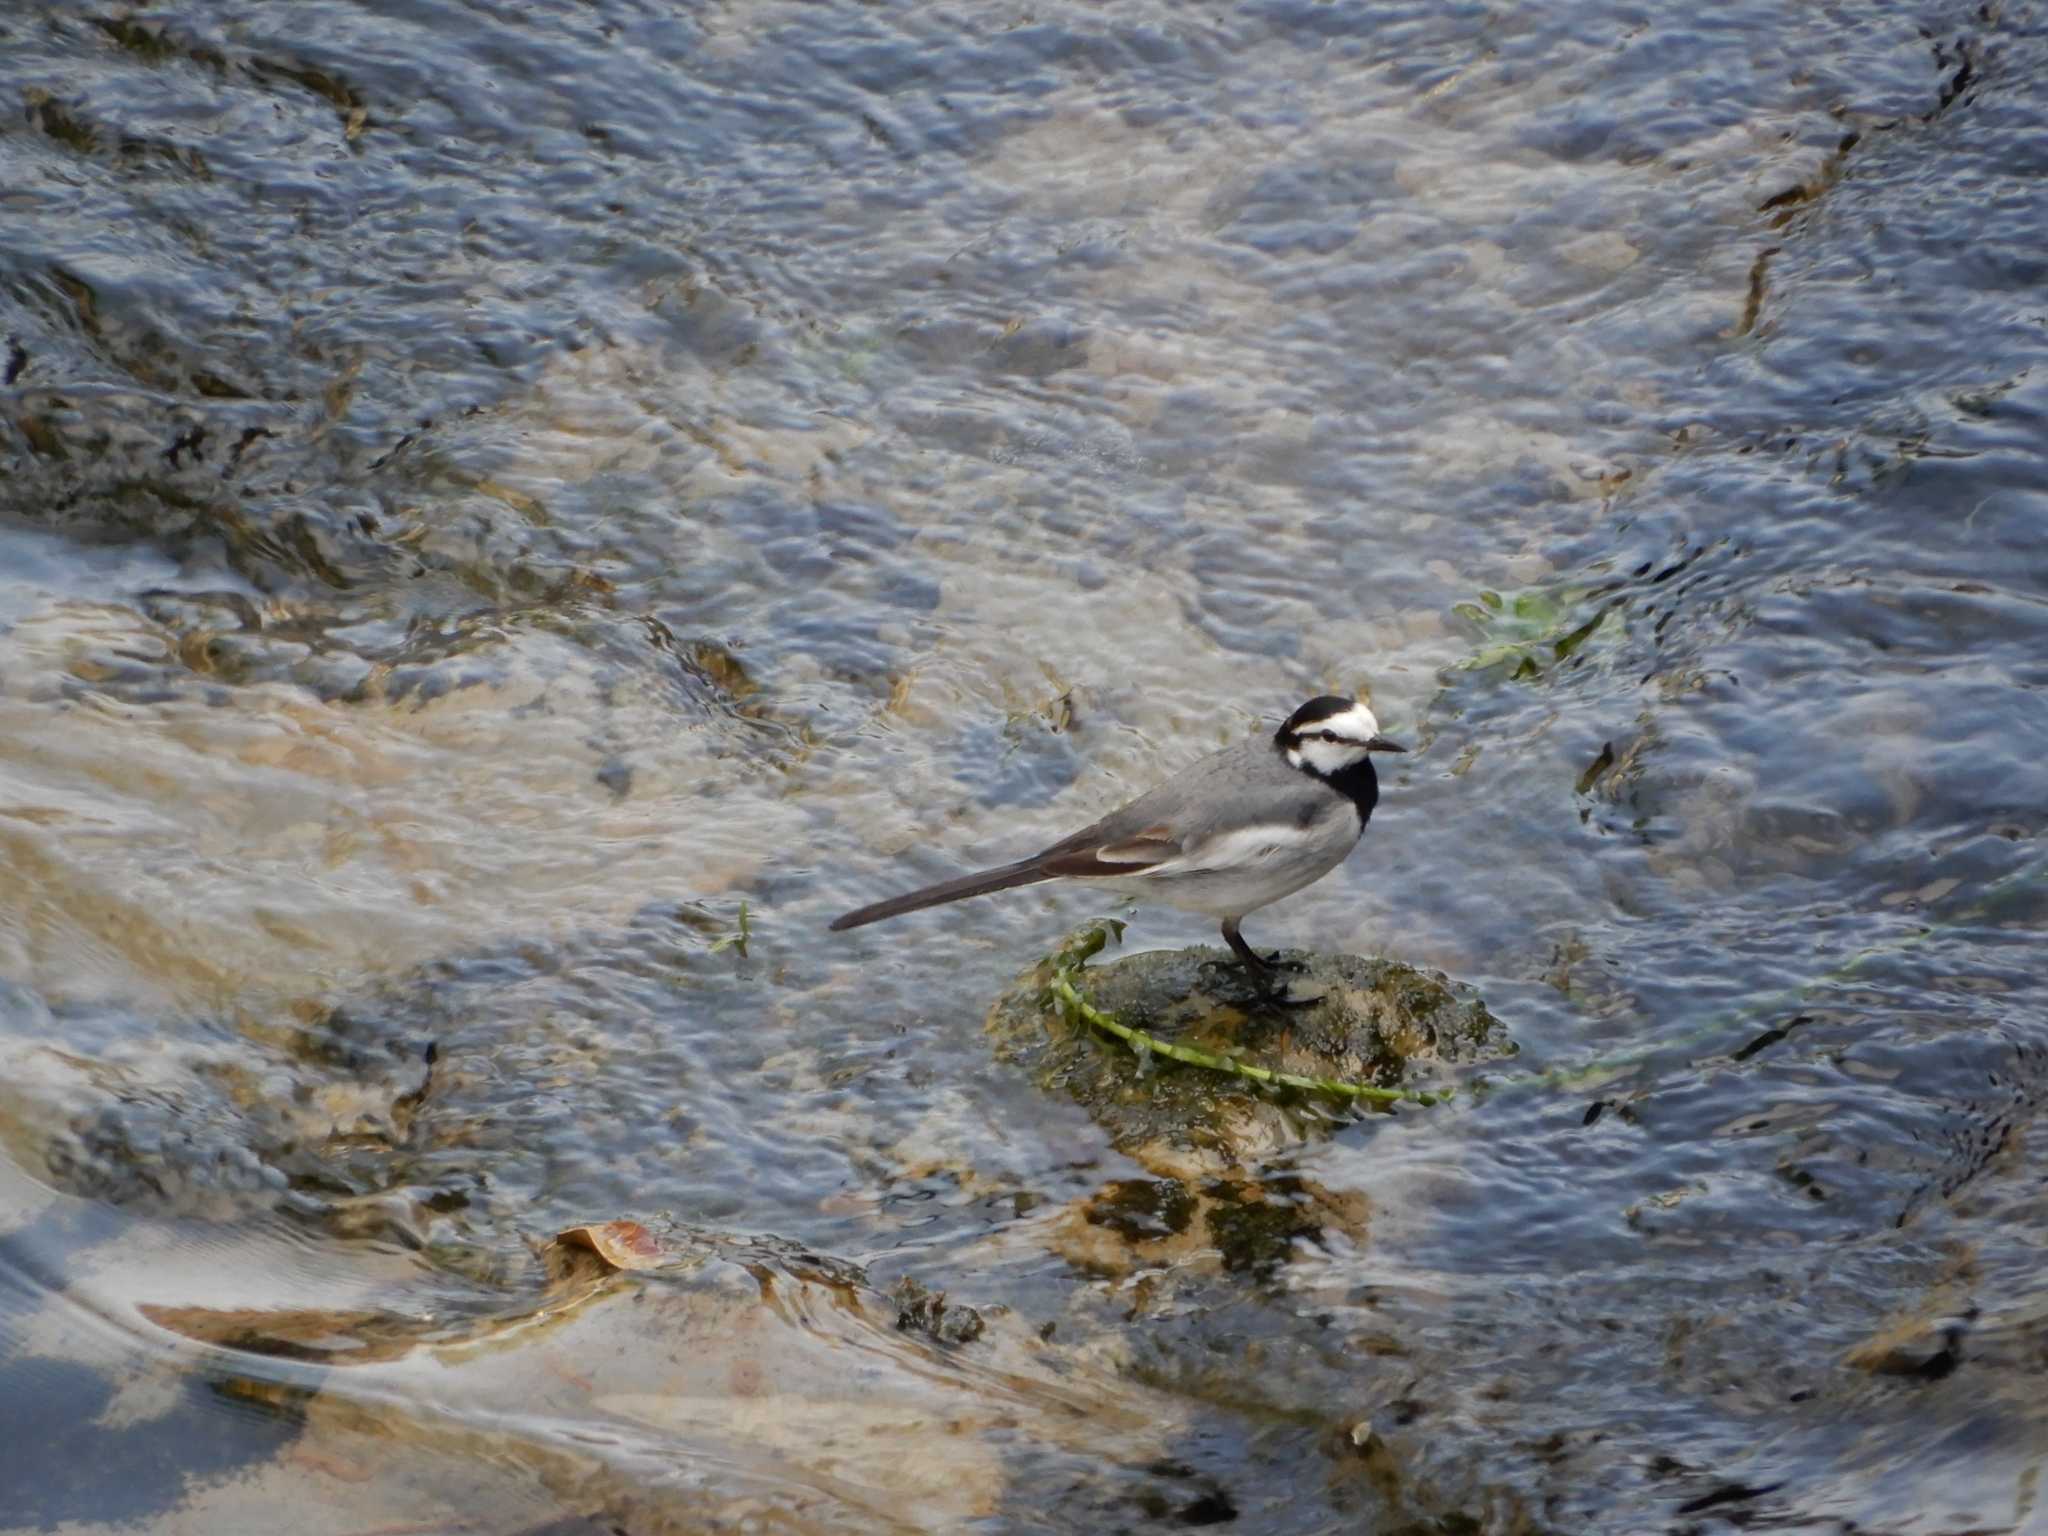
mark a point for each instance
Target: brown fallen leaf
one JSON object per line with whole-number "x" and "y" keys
{"x": 621, "y": 1244}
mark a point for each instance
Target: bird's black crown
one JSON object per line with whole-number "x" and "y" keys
{"x": 1312, "y": 714}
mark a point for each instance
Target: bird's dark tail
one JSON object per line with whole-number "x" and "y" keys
{"x": 1024, "y": 872}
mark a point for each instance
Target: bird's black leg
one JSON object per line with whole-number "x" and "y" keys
{"x": 1253, "y": 961}
{"x": 1265, "y": 973}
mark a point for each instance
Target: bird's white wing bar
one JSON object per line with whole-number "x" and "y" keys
{"x": 1137, "y": 853}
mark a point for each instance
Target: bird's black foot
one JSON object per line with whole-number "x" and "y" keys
{"x": 1267, "y": 974}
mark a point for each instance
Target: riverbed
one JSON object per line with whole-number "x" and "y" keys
{"x": 512, "y": 516}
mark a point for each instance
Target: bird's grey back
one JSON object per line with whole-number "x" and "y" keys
{"x": 1209, "y": 796}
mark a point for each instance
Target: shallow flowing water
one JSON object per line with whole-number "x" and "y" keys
{"x": 513, "y": 515}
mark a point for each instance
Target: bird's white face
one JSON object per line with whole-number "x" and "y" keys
{"x": 1335, "y": 743}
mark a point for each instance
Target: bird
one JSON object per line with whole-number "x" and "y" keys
{"x": 1229, "y": 834}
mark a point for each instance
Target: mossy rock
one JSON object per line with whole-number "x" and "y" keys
{"x": 1349, "y": 1018}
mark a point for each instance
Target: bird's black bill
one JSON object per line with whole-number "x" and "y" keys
{"x": 1381, "y": 744}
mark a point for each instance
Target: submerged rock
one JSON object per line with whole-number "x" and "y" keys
{"x": 1329, "y": 1016}
{"x": 1218, "y": 1144}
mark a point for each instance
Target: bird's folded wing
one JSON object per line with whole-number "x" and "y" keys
{"x": 1246, "y": 848}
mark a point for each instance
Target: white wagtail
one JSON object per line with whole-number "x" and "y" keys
{"x": 1229, "y": 834}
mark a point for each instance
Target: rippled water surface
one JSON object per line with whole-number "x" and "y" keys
{"x": 514, "y": 514}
